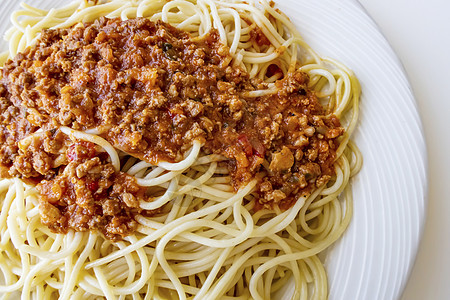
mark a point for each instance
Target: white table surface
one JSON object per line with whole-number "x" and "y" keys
{"x": 419, "y": 32}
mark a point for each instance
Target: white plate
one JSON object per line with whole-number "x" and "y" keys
{"x": 374, "y": 258}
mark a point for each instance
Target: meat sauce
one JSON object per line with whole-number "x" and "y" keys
{"x": 151, "y": 90}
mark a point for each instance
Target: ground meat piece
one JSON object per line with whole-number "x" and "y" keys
{"x": 278, "y": 195}
{"x": 310, "y": 170}
{"x": 282, "y": 160}
{"x": 111, "y": 207}
{"x": 258, "y": 36}
{"x": 53, "y": 190}
{"x": 130, "y": 200}
{"x": 49, "y": 213}
{"x": 92, "y": 165}
{"x": 79, "y": 151}
{"x": 322, "y": 180}
{"x": 23, "y": 165}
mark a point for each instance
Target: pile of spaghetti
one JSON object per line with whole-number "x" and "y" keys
{"x": 170, "y": 149}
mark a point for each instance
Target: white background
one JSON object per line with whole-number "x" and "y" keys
{"x": 419, "y": 32}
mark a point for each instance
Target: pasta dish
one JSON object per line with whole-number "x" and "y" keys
{"x": 183, "y": 149}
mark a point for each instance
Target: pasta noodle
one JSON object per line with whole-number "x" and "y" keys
{"x": 206, "y": 242}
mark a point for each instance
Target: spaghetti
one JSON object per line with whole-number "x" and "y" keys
{"x": 203, "y": 239}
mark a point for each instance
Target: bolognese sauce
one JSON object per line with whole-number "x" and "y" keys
{"x": 151, "y": 90}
